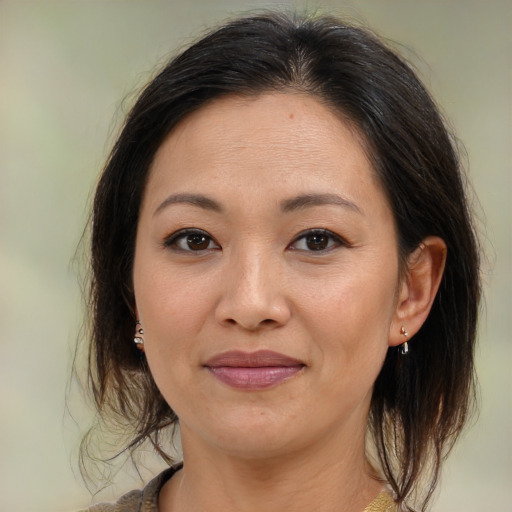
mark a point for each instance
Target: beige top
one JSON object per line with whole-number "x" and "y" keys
{"x": 146, "y": 500}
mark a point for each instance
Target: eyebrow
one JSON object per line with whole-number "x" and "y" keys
{"x": 288, "y": 205}
{"x": 309, "y": 200}
{"x": 193, "y": 199}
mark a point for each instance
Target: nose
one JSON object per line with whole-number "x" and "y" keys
{"x": 253, "y": 295}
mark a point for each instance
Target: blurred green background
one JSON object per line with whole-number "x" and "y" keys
{"x": 65, "y": 68}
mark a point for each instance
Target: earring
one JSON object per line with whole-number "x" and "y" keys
{"x": 138, "y": 340}
{"x": 404, "y": 347}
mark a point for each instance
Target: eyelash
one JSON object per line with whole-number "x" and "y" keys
{"x": 333, "y": 241}
{"x": 181, "y": 235}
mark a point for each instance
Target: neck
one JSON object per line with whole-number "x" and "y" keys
{"x": 319, "y": 478}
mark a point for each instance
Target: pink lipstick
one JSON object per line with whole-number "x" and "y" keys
{"x": 253, "y": 370}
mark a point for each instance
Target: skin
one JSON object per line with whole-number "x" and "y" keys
{"x": 257, "y": 282}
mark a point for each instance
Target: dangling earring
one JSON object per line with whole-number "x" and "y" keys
{"x": 138, "y": 340}
{"x": 404, "y": 347}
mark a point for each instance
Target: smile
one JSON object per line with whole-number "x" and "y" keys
{"x": 253, "y": 371}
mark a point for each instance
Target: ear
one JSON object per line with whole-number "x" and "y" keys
{"x": 418, "y": 288}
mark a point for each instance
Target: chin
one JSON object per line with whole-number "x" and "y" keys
{"x": 251, "y": 432}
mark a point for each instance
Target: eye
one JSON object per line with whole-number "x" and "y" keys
{"x": 317, "y": 240}
{"x": 191, "y": 240}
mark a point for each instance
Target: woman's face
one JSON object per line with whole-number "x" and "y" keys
{"x": 265, "y": 274}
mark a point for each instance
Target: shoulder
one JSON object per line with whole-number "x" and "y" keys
{"x": 129, "y": 502}
{"x": 141, "y": 500}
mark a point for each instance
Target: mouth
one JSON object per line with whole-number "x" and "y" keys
{"x": 253, "y": 370}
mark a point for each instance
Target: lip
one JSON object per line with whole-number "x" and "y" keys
{"x": 253, "y": 370}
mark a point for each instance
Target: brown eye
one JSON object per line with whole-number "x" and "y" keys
{"x": 198, "y": 242}
{"x": 317, "y": 242}
{"x": 191, "y": 240}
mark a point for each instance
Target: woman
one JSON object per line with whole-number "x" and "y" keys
{"x": 283, "y": 225}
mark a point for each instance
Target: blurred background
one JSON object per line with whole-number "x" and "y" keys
{"x": 68, "y": 72}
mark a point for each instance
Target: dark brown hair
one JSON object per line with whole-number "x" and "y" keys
{"x": 420, "y": 402}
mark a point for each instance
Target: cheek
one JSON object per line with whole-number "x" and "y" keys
{"x": 352, "y": 297}
{"x": 170, "y": 300}
{"x": 349, "y": 318}
{"x": 169, "y": 316}
{"x": 171, "y": 320}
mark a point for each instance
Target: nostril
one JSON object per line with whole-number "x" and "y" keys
{"x": 257, "y": 325}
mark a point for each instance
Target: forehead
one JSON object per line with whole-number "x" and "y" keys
{"x": 290, "y": 140}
